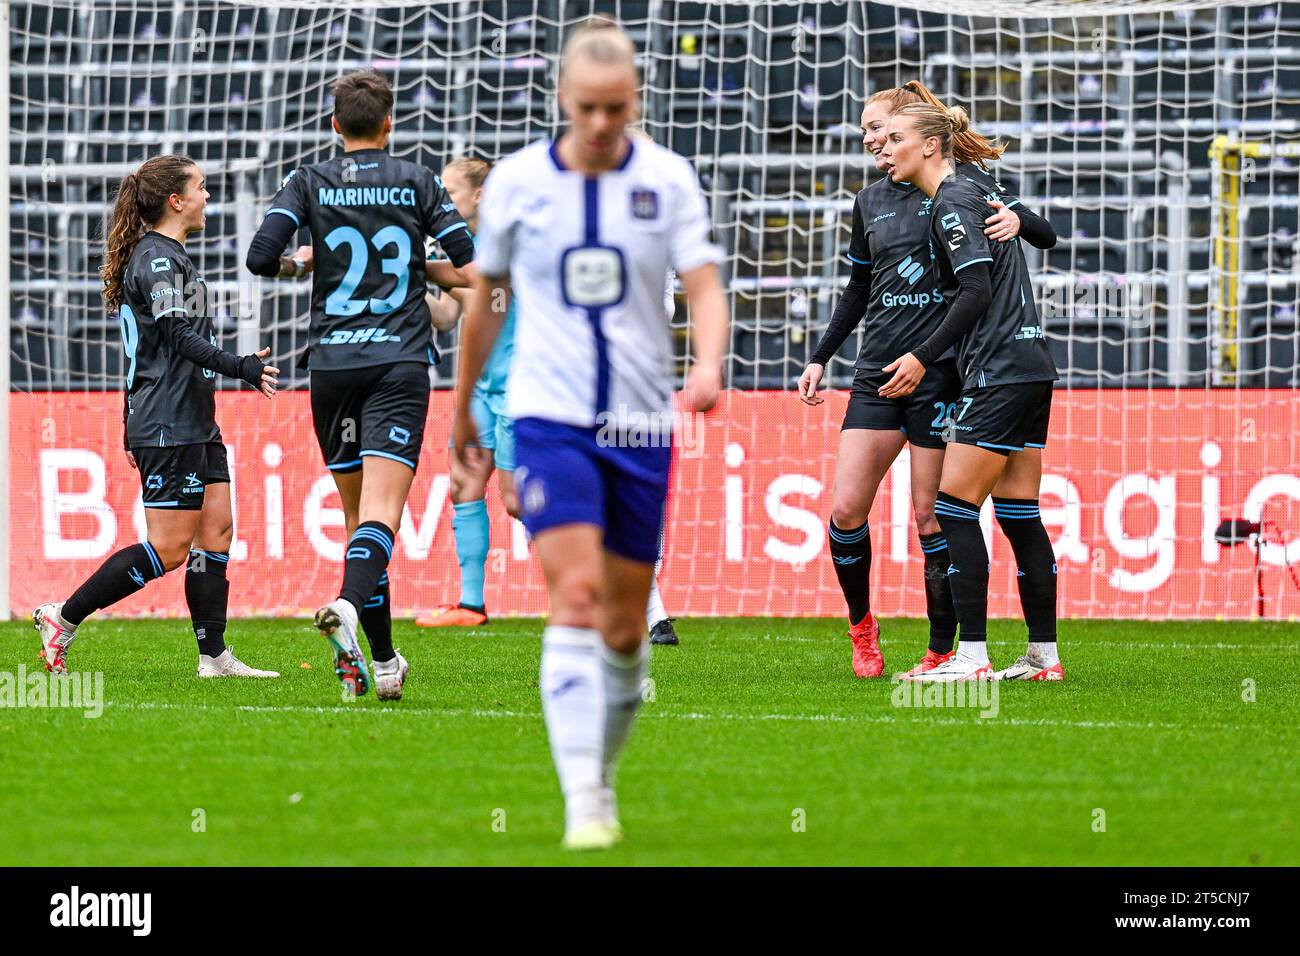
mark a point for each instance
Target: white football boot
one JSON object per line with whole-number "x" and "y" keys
{"x": 226, "y": 664}
{"x": 952, "y": 670}
{"x": 586, "y": 825}
{"x": 337, "y": 621}
{"x": 56, "y": 634}
{"x": 1029, "y": 667}
{"x": 390, "y": 677}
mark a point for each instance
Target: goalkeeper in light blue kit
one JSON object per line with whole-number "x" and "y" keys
{"x": 464, "y": 178}
{"x": 584, "y": 230}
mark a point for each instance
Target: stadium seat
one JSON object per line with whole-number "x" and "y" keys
{"x": 1272, "y": 349}
{"x": 723, "y": 102}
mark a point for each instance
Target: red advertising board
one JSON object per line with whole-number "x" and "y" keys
{"x": 1134, "y": 483}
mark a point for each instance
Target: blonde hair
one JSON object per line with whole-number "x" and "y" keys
{"x": 965, "y": 146}
{"x": 947, "y": 124}
{"x": 473, "y": 169}
{"x": 599, "y": 40}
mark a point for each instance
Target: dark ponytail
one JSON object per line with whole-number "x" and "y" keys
{"x": 141, "y": 202}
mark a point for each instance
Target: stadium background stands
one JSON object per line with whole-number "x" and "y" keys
{"x": 1109, "y": 120}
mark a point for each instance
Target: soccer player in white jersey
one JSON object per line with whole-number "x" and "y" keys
{"x": 583, "y": 229}
{"x": 464, "y": 178}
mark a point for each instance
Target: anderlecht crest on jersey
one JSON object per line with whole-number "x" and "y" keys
{"x": 645, "y": 204}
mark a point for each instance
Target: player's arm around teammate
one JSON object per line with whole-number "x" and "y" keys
{"x": 1002, "y": 425}
{"x": 446, "y": 309}
{"x": 889, "y": 241}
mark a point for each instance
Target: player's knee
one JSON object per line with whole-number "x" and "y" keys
{"x": 172, "y": 554}
{"x": 576, "y": 596}
{"x": 511, "y": 501}
{"x": 218, "y": 539}
{"x": 456, "y": 487}
{"x": 625, "y": 636}
{"x": 926, "y": 522}
{"x": 464, "y": 490}
{"x": 846, "y": 514}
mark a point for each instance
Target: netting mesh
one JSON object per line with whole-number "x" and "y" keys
{"x": 1110, "y": 120}
{"x": 1157, "y": 137}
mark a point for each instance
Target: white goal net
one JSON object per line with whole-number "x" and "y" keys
{"x": 1159, "y": 138}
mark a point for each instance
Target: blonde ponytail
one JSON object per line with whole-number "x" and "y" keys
{"x": 967, "y": 146}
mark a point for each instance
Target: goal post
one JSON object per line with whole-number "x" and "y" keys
{"x": 1234, "y": 165}
{"x": 6, "y": 319}
{"x": 1169, "y": 302}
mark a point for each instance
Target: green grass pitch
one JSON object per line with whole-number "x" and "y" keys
{"x": 759, "y": 747}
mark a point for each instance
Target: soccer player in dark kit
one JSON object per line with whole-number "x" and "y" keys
{"x": 171, "y": 433}
{"x": 1000, "y": 426}
{"x": 370, "y": 345}
{"x": 894, "y": 286}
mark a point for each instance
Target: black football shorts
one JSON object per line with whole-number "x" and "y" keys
{"x": 176, "y": 476}
{"x": 378, "y": 410}
{"x": 921, "y": 416}
{"x": 1004, "y": 418}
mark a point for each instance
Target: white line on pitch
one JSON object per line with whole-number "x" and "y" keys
{"x": 651, "y": 715}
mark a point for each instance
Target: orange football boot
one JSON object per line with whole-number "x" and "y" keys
{"x": 452, "y": 615}
{"x": 867, "y": 659}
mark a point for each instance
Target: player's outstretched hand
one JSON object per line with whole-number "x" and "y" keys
{"x": 270, "y": 375}
{"x": 1003, "y": 225}
{"x": 808, "y": 382}
{"x": 908, "y": 373}
{"x": 702, "y": 387}
{"x": 304, "y": 255}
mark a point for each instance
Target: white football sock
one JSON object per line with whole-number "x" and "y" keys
{"x": 623, "y": 676}
{"x": 654, "y": 609}
{"x": 973, "y": 652}
{"x": 1044, "y": 652}
{"x": 573, "y": 701}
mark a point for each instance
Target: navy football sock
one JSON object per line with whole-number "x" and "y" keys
{"x": 369, "y": 549}
{"x": 851, "y": 552}
{"x": 938, "y": 592}
{"x": 1036, "y": 561}
{"x": 121, "y": 575}
{"x": 207, "y": 592}
{"x": 376, "y": 618}
{"x": 968, "y": 573}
